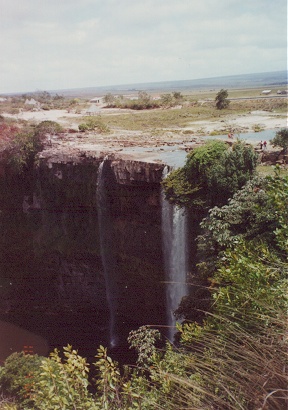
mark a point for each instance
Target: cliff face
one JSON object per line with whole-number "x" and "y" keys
{"x": 52, "y": 254}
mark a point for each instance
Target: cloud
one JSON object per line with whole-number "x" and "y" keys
{"x": 67, "y": 43}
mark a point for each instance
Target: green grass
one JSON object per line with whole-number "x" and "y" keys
{"x": 143, "y": 120}
{"x": 177, "y": 118}
{"x": 161, "y": 118}
{"x": 265, "y": 170}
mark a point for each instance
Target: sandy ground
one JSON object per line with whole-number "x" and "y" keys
{"x": 61, "y": 116}
{"x": 245, "y": 122}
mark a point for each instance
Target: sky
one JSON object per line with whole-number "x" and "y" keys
{"x": 63, "y": 44}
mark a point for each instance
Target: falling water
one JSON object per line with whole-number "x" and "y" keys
{"x": 174, "y": 237}
{"x": 107, "y": 243}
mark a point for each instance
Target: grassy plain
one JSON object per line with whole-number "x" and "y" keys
{"x": 190, "y": 111}
{"x": 196, "y": 106}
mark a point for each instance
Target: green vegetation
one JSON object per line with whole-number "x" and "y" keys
{"x": 93, "y": 124}
{"x": 17, "y": 377}
{"x": 221, "y": 99}
{"x": 170, "y": 100}
{"x": 234, "y": 360}
{"x": 47, "y": 127}
{"x": 20, "y": 142}
{"x": 257, "y": 128}
{"x": 265, "y": 170}
{"x": 281, "y": 139}
{"x": 109, "y": 98}
{"x": 18, "y": 145}
{"x": 235, "y": 356}
{"x": 143, "y": 340}
{"x": 185, "y": 114}
{"x": 249, "y": 218}
{"x": 144, "y": 101}
{"x": 211, "y": 174}
{"x": 160, "y": 119}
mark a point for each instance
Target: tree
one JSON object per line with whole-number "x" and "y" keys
{"x": 212, "y": 174}
{"x": 43, "y": 96}
{"x": 177, "y": 95}
{"x": 109, "y": 98}
{"x": 58, "y": 97}
{"x": 167, "y": 100}
{"x": 243, "y": 331}
{"x": 281, "y": 139}
{"x": 144, "y": 96}
{"x": 22, "y": 149}
{"x": 249, "y": 215}
{"x": 221, "y": 99}
{"x": 47, "y": 127}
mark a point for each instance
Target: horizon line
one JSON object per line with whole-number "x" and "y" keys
{"x": 143, "y": 83}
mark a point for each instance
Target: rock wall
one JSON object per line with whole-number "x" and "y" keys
{"x": 54, "y": 261}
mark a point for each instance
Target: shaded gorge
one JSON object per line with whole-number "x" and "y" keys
{"x": 82, "y": 258}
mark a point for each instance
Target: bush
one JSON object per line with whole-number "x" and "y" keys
{"x": 281, "y": 139}
{"x": 18, "y": 375}
{"x": 63, "y": 384}
{"x": 7, "y": 404}
{"x": 236, "y": 358}
{"x": 249, "y": 215}
{"x": 22, "y": 149}
{"x": 211, "y": 174}
{"x": 230, "y": 369}
{"x": 93, "y": 124}
{"x": 47, "y": 127}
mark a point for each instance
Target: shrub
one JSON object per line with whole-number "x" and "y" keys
{"x": 63, "y": 384}
{"x": 47, "y": 127}
{"x": 109, "y": 99}
{"x": 281, "y": 139}
{"x": 93, "y": 124}
{"x": 257, "y": 128}
{"x": 18, "y": 375}
{"x": 21, "y": 148}
{"x": 7, "y": 404}
{"x": 143, "y": 340}
{"x": 211, "y": 174}
{"x": 249, "y": 215}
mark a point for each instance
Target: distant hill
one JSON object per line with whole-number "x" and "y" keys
{"x": 276, "y": 78}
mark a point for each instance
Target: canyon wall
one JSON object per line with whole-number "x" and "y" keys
{"x": 51, "y": 261}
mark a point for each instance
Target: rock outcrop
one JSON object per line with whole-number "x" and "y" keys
{"x": 54, "y": 263}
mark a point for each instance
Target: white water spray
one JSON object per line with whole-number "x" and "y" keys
{"x": 174, "y": 239}
{"x": 107, "y": 238}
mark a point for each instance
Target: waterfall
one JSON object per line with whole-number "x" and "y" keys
{"x": 107, "y": 244}
{"x": 174, "y": 240}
